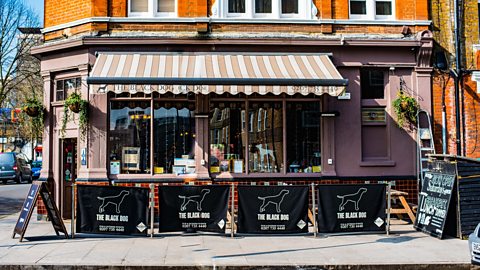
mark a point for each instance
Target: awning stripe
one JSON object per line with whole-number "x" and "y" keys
{"x": 219, "y": 73}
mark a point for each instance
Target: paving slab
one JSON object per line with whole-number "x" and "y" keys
{"x": 404, "y": 248}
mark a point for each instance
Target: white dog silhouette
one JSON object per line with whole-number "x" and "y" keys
{"x": 197, "y": 199}
{"x": 354, "y": 198}
{"x": 275, "y": 200}
{"x": 115, "y": 200}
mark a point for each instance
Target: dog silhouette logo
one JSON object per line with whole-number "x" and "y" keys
{"x": 354, "y": 198}
{"x": 194, "y": 199}
{"x": 114, "y": 200}
{"x": 275, "y": 200}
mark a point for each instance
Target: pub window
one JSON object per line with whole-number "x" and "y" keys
{"x": 303, "y": 135}
{"x": 174, "y": 138}
{"x": 372, "y": 83}
{"x": 227, "y": 152}
{"x": 372, "y": 9}
{"x": 266, "y": 145}
{"x": 129, "y": 135}
{"x": 152, "y": 8}
{"x": 65, "y": 87}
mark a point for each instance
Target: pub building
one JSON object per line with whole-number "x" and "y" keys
{"x": 232, "y": 91}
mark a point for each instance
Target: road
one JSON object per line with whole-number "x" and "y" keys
{"x": 12, "y": 197}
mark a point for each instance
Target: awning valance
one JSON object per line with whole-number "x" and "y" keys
{"x": 216, "y": 73}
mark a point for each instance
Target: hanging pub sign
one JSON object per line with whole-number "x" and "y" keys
{"x": 351, "y": 208}
{"x": 39, "y": 187}
{"x": 112, "y": 210}
{"x": 435, "y": 199}
{"x": 193, "y": 208}
{"x": 272, "y": 209}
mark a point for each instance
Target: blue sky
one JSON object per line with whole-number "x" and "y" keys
{"x": 37, "y": 6}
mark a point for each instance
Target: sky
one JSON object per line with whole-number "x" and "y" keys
{"x": 37, "y": 6}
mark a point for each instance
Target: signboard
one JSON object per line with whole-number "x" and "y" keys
{"x": 112, "y": 210}
{"x": 83, "y": 156}
{"x": 37, "y": 188}
{"x": 434, "y": 199}
{"x": 272, "y": 209}
{"x": 193, "y": 208}
{"x": 352, "y": 208}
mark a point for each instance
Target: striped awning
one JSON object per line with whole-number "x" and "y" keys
{"x": 216, "y": 73}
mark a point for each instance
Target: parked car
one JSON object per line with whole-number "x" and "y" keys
{"x": 36, "y": 168}
{"x": 474, "y": 245}
{"x": 14, "y": 166}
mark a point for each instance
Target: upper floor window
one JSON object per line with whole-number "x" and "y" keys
{"x": 269, "y": 9}
{"x": 372, "y": 9}
{"x": 152, "y": 8}
{"x": 63, "y": 88}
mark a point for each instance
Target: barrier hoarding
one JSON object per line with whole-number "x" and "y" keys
{"x": 193, "y": 208}
{"x": 112, "y": 210}
{"x": 272, "y": 209}
{"x": 351, "y": 208}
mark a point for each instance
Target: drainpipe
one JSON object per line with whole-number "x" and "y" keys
{"x": 458, "y": 76}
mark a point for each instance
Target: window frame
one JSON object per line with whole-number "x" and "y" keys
{"x": 152, "y": 10}
{"x": 304, "y": 11}
{"x": 370, "y": 6}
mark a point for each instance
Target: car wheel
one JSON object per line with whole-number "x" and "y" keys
{"x": 4, "y": 181}
{"x": 30, "y": 180}
{"x": 19, "y": 179}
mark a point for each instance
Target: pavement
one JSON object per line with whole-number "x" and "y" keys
{"x": 404, "y": 248}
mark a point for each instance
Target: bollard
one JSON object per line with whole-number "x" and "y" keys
{"x": 152, "y": 207}
{"x": 389, "y": 205}
{"x": 72, "y": 225}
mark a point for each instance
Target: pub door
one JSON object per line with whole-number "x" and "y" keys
{"x": 68, "y": 174}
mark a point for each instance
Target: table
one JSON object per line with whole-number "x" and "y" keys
{"x": 405, "y": 207}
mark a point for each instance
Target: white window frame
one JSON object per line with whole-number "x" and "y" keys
{"x": 306, "y": 11}
{"x": 152, "y": 10}
{"x": 371, "y": 11}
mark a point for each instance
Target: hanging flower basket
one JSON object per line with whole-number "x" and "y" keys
{"x": 32, "y": 107}
{"x": 406, "y": 108}
{"x": 74, "y": 107}
{"x": 32, "y": 111}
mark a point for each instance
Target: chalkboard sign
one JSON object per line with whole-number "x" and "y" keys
{"x": 37, "y": 188}
{"x": 435, "y": 199}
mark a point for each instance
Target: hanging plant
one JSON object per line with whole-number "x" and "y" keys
{"x": 33, "y": 107}
{"x": 406, "y": 108}
{"x": 76, "y": 104}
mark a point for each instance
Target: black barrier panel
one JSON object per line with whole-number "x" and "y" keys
{"x": 351, "y": 208}
{"x": 272, "y": 209}
{"x": 112, "y": 210}
{"x": 193, "y": 208}
{"x": 435, "y": 199}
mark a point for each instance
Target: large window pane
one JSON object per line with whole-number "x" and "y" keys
{"x": 166, "y": 5}
{"x": 372, "y": 83}
{"x": 358, "y": 7}
{"x": 263, "y": 6}
{"x": 303, "y": 135}
{"x": 227, "y": 137}
{"x": 265, "y": 137}
{"x": 289, "y": 6}
{"x": 174, "y": 138}
{"x": 129, "y": 141}
{"x": 383, "y": 8}
{"x": 236, "y": 6}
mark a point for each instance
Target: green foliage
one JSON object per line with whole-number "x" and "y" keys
{"x": 34, "y": 108}
{"x": 406, "y": 108}
{"x": 75, "y": 103}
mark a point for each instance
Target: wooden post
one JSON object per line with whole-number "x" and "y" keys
{"x": 72, "y": 225}
{"x": 314, "y": 220}
{"x": 232, "y": 222}
{"x": 389, "y": 206}
{"x": 152, "y": 207}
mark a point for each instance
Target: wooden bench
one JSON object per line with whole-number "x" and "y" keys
{"x": 404, "y": 206}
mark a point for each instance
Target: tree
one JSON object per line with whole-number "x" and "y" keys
{"x": 19, "y": 70}
{"x": 15, "y": 48}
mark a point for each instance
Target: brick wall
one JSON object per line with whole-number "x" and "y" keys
{"x": 64, "y": 11}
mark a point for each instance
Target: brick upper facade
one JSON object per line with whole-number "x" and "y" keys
{"x": 80, "y": 14}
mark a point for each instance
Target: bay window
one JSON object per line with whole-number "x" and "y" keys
{"x": 152, "y": 8}
{"x": 372, "y": 9}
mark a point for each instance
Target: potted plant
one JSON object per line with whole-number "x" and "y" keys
{"x": 76, "y": 104}
{"x": 406, "y": 108}
{"x": 33, "y": 107}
